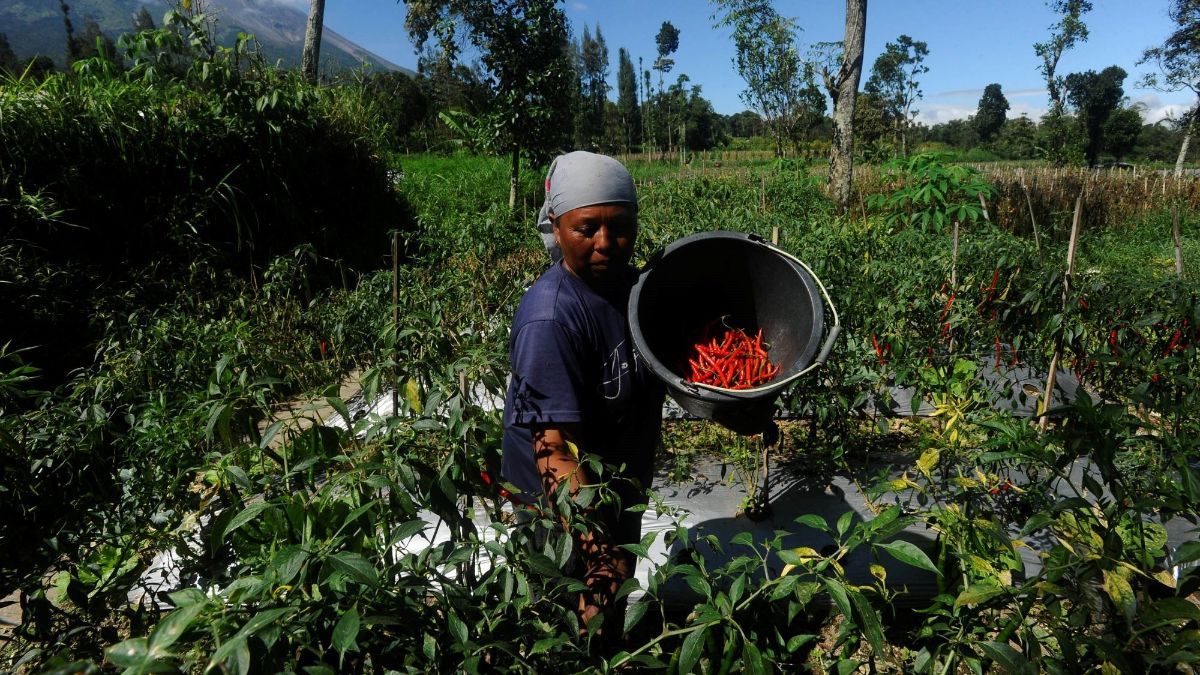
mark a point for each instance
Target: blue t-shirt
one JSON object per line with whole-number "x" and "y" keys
{"x": 573, "y": 362}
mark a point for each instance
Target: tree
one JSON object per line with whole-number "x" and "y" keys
{"x": 1095, "y": 96}
{"x": 1069, "y": 31}
{"x": 142, "y": 20}
{"x": 769, "y": 63}
{"x": 312, "y": 39}
{"x": 1178, "y": 61}
{"x": 8, "y": 58}
{"x": 523, "y": 45}
{"x": 989, "y": 118}
{"x": 402, "y": 102}
{"x": 894, "y": 80}
{"x": 627, "y": 101}
{"x": 593, "y": 86}
{"x": 841, "y": 70}
{"x": 667, "y": 42}
{"x": 1121, "y": 131}
{"x": 1018, "y": 138}
{"x": 745, "y": 124}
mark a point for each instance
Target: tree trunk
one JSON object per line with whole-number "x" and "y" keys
{"x": 514, "y": 177}
{"x": 312, "y": 39}
{"x": 1187, "y": 140}
{"x": 841, "y": 165}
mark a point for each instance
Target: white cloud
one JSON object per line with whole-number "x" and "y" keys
{"x": 579, "y": 6}
{"x": 1154, "y": 109}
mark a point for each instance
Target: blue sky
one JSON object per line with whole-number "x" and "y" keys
{"x": 971, "y": 43}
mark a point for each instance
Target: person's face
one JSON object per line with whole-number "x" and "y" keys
{"x": 597, "y": 241}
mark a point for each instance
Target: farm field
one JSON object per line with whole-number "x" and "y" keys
{"x": 179, "y": 386}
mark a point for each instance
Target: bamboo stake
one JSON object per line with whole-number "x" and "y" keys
{"x": 395, "y": 320}
{"x": 983, "y": 205}
{"x": 1048, "y": 393}
{"x": 1178, "y": 241}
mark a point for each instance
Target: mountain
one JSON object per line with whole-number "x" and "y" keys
{"x": 36, "y": 27}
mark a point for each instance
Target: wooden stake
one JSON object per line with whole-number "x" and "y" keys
{"x": 1037, "y": 240}
{"x": 1178, "y": 241}
{"x": 395, "y": 320}
{"x": 954, "y": 261}
{"x": 1051, "y": 379}
{"x": 983, "y": 205}
{"x": 775, "y": 235}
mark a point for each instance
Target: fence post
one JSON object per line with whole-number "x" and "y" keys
{"x": 1048, "y": 393}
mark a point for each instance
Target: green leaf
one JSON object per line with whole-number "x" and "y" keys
{"x": 976, "y": 594}
{"x": 244, "y": 516}
{"x": 287, "y": 563}
{"x": 172, "y": 626}
{"x": 128, "y": 654}
{"x": 238, "y": 641}
{"x": 753, "y": 660}
{"x": 356, "y": 566}
{"x": 814, "y": 521}
{"x": 837, "y": 591}
{"x": 345, "y": 633}
{"x": 742, "y": 539}
{"x": 797, "y": 641}
{"x": 1169, "y": 611}
{"x": 1009, "y": 659}
{"x": 689, "y": 653}
{"x": 634, "y": 614}
{"x": 1187, "y": 552}
{"x": 458, "y": 629}
{"x": 843, "y": 522}
{"x": 868, "y": 620}
{"x": 908, "y": 553}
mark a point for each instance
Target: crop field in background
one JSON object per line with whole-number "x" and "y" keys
{"x": 293, "y": 540}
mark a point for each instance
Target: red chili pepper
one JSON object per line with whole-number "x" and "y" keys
{"x": 878, "y": 350}
{"x": 1174, "y": 342}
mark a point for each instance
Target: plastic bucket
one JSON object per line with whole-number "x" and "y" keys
{"x": 751, "y": 284}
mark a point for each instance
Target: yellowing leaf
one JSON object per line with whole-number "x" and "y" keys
{"x": 879, "y": 572}
{"x": 412, "y": 395}
{"x": 928, "y": 460}
{"x": 1164, "y": 577}
{"x": 1117, "y": 587}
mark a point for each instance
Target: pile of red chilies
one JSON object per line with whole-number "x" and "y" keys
{"x": 733, "y": 360}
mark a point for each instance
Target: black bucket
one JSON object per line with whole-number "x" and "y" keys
{"x": 744, "y": 281}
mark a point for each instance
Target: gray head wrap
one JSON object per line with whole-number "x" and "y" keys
{"x": 579, "y": 179}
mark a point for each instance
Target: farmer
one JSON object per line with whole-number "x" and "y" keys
{"x": 577, "y": 385}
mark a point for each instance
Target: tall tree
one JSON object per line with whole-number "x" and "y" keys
{"x": 1178, "y": 60}
{"x": 312, "y": 39}
{"x": 523, "y": 45}
{"x": 894, "y": 80}
{"x": 1095, "y": 96}
{"x": 667, "y": 42}
{"x": 841, "y": 70}
{"x": 990, "y": 116}
{"x": 768, "y": 61}
{"x": 1065, "y": 34}
{"x": 593, "y": 86}
{"x": 627, "y": 101}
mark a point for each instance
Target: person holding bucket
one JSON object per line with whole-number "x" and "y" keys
{"x": 578, "y": 387}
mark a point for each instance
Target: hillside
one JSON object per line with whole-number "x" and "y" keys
{"x": 36, "y": 27}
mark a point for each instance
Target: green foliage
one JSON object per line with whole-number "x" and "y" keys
{"x": 1095, "y": 96}
{"x": 989, "y": 118}
{"x": 932, "y": 194}
{"x": 894, "y": 82}
{"x": 304, "y": 542}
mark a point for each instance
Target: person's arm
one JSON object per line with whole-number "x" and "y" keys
{"x": 556, "y": 462}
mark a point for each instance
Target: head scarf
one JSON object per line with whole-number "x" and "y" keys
{"x": 579, "y": 179}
